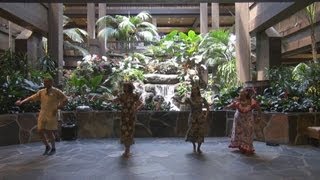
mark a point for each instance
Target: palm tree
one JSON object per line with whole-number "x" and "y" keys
{"x": 217, "y": 50}
{"x": 311, "y": 13}
{"x": 74, "y": 36}
{"x": 127, "y": 29}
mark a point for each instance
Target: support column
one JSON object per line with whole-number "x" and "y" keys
{"x": 215, "y": 22}
{"x": 91, "y": 21}
{"x": 243, "y": 61}
{"x": 262, "y": 55}
{"x": 103, "y": 41}
{"x": 268, "y": 52}
{"x": 10, "y": 36}
{"x": 30, "y": 43}
{"x": 93, "y": 43}
{"x": 203, "y": 18}
{"x": 55, "y": 37}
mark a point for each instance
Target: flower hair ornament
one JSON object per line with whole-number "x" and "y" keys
{"x": 195, "y": 81}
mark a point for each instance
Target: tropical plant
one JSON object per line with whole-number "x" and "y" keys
{"x": 292, "y": 89}
{"x": 183, "y": 88}
{"x": 227, "y": 77}
{"x": 177, "y": 45}
{"x": 15, "y": 82}
{"x": 74, "y": 37}
{"x": 127, "y": 30}
{"x": 48, "y": 65}
{"x": 217, "y": 47}
{"x": 217, "y": 50}
{"x": 223, "y": 99}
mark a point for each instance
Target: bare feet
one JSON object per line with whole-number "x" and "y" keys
{"x": 194, "y": 150}
{"x": 126, "y": 154}
{"x": 194, "y": 147}
{"x": 46, "y": 152}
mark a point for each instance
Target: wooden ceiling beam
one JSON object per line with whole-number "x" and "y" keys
{"x": 299, "y": 42}
{"x": 32, "y": 16}
{"x": 79, "y": 11}
{"x": 264, "y": 15}
{"x": 144, "y": 1}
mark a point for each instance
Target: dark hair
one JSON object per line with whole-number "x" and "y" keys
{"x": 129, "y": 86}
{"x": 195, "y": 91}
{"x": 250, "y": 92}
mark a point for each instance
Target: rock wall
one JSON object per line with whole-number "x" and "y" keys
{"x": 21, "y": 128}
{"x": 282, "y": 128}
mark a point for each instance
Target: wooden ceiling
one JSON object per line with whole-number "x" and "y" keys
{"x": 168, "y": 16}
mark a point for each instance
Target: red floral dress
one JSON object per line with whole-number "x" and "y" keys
{"x": 242, "y": 130}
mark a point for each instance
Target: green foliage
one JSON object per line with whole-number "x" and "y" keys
{"x": 292, "y": 89}
{"x": 227, "y": 77}
{"x": 223, "y": 99}
{"x": 183, "y": 89}
{"x": 176, "y": 45}
{"x": 14, "y": 82}
{"x": 216, "y": 47}
{"x": 128, "y": 29}
{"x": 74, "y": 36}
{"x": 48, "y": 65}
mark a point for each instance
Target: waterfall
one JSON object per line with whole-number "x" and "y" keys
{"x": 167, "y": 92}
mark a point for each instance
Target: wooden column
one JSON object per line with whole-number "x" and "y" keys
{"x": 215, "y": 22}
{"x": 243, "y": 61}
{"x": 103, "y": 41}
{"x": 268, "y": 51}
{"x": 55, "y": 36}
{"x": 93, "y": 43}
{"x": 262, "y": 55}
{"x": 203, "y": 18}
{"x": 91, "y": 21}
{"x": 10, "y": 36}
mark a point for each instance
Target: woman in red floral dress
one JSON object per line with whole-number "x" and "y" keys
{"x": 130, "y": 104}
{"x": 242, "y": 130}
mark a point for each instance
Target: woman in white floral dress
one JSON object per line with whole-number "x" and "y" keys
{"x": 242, "y": 130}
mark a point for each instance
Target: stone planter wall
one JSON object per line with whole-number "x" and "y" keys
{"x": 282, "y": 128}
{"x": 21, "y": 128}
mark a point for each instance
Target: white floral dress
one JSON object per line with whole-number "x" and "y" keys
{"x": 242, "y": 130}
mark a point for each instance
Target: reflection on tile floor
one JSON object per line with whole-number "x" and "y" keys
{"x": 157, "y": 159}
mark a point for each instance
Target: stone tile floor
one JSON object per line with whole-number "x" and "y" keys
{"x": 158, "y": 159}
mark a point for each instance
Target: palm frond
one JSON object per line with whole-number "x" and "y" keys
{"x": 83, "y": 51}
{"x": 127, "y": 26}
{"x": 144, "y": 16}
{"x": 107, "y": 33}
{"x": 75, "y": 34}
{"x": 66, "y": 20}
{"x": 107, "y": 21}
{"x": 145, "y": 35}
